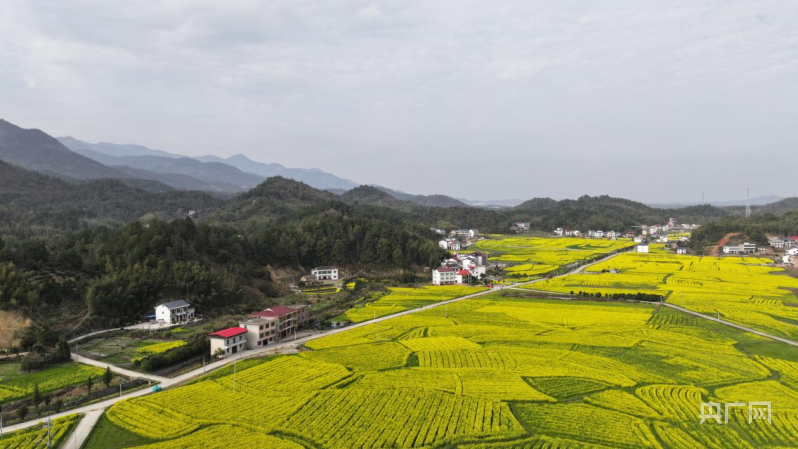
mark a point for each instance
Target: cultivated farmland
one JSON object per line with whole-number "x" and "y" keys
{"x": 744, "y": 290}
{"x": 16, "y": 385}
{"x": 530, "y": 256}
{"x": 400, "y": 299}
{"x": 491, "y": 372}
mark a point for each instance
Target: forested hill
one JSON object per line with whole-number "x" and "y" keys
{"x": 487, "y": 221}
{"x": 778, "y": 207}
{"x": 753, "y": 229}
{"x": 33, "y": 200}
{"x": 604, "y": 212}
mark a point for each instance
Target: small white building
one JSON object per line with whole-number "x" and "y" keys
{"x": 731, "y": 249}
{"x": 641, "y": 248}
{"x": 577, "y": 233}
{"x": 558, "y": 232}
{"x": 749, "y": 248}
{"x": 599, "y": 234}
{"x": 638, "y": 239}
{"x": 174, "y": 312}
{"x": 792, "y": 252}
{"x": 787, "y": 259}
{"x": 683, "y": 250}
{"x": 612, "y": 235}
{"x": 444, "y": 276}
{"x": 230, "y": 341}
{"x": 325, "y": 273}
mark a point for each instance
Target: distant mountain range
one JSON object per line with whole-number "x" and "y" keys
{"x": 210, "y": 173}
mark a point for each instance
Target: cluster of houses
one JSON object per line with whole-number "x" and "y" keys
{"x": 783, "y": 242}
{"x": 787, "y": 244}
{"x": 743, "y": 248}
{"x": 260, "y": 329}
{"x": 457, "y": 238}
{"x": 460, "y": 269}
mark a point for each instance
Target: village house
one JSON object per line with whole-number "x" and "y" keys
{"x": 638, "y": 239}
{"x": 683, "y": 250}
{"x": 444, "y": 276}
{"x": 174, "y": 312}
{"x": 576, "y": 233}
{"x": 259, "y": 331}
{"x": 612, "y": 235}
{"x": 451, "y": 245}
{"x": 731, "y": 249}
{"x": 325, "y": 273}
{"x": 643, "y": 248}
{"x": 792, "y": 252}
{"x": 462, "y": 276}
{"x": 465, "y": 233}
{"x": 558, "y": 232}
{"x": 599, "y": 234}
{"x": 288, "y": 318}
{"x": 749, "y": 248}
{"x": 228, "y": 341}
{"x": 522, "y": 225}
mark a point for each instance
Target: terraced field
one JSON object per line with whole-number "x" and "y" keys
{"x": 744, "y": 290}
{"x": 493, "y": 372}
{"x": 532, "y": 256}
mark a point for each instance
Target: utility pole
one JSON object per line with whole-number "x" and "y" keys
{"x": 49, "y": 435}
{"x": 235, "y": 371}
{"x": 203, "y": 364}
{"x": 120, "y": 387}
{"x": 748, "y": 203}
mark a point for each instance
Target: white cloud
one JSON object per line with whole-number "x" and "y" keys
{"x": 538, "y": 88}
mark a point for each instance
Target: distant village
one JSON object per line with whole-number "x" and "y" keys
{"x": 462, "y": 267}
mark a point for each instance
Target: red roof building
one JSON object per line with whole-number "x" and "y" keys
{"x": 444, "y": 270}
{"x": 274, "y": 312}
{"x": 464, "y": 272}
{"x": 229, "y": 332}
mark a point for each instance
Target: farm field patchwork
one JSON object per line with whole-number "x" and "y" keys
{"x": 400, "y": 299}
{"x": 15, "y": 385}
{"x": 529, "y": 256}
{"x": 492, "y": 371}
{"x": 744, "y": 290}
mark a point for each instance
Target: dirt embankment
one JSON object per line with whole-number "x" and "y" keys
{"x": 10, "y": 323}
{"x": 716, "y": 250}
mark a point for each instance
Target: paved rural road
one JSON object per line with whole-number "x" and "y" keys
{"x": 729, "y": 323}
{"x": 125, "y": 372}
{"x": 78, "y": 436}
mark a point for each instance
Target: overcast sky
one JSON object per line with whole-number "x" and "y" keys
{"x": 654, "y": 101}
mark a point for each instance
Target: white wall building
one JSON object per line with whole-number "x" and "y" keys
{"x": 230, "y": 341}
{"x": 325, "y": 273}
{"x": 641, "y": 248}
{"x": 444, "y": 276}
{"x": 174, "y": 312}
{"x": 260, "y": 331}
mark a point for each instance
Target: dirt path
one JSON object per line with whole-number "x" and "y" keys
{"x": 716, "y": 249}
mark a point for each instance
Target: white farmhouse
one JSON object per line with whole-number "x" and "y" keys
{"x": 792, "y": 252}
{"x": 641, "y": 248}
{"x": 683, "y": 250}
{"x": 174, "y": 312}
{"x": 444, "y": 276}
{"x": 228, "y": 341}
{"x": 558, "y": 232}
{"x": 325, "y": 273}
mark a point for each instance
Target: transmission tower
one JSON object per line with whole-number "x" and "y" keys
{"x": 748, "y": 203}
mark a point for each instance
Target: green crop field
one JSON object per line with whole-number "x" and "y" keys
{"x": 488, "y": 372}
{"x": 744, "y": 290}
{"x": 15, "y": 385}
{"x": 530, "y": 256}
{"x": 400, "y": 299}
